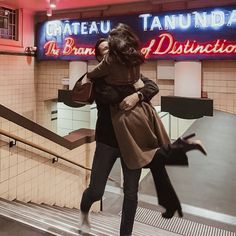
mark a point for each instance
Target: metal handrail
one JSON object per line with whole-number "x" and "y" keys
{"x": 17, "y": 138}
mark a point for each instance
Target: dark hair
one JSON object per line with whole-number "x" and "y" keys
{"x": 124, "y": 46}
{"x": 97, "y": 51}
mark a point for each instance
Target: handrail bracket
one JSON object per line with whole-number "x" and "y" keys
{"x": 12, "y": 143}
{"x": 54, "y": 159}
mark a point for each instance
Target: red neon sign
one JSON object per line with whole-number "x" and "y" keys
{"x": 69, "y": 48}
{"x": 164, "y": 45}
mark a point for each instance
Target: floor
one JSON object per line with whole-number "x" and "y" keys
{"x": 207, "y": 188}
{"x": 12, "y": 228}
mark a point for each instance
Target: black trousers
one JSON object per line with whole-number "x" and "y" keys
{"x": 104, "y": 159}
{"x": 171, "y": 154}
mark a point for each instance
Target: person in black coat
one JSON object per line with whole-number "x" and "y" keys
{"x": 107, "y": 151}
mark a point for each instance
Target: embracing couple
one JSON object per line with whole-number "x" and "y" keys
{"x": 129, "y": 128}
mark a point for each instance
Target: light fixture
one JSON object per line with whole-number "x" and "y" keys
{"x": 53, "y": 3}
{"x": 49, "y": 12}
{"x": 30, "y": 50}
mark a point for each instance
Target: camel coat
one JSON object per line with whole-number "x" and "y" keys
{"x": 139, "y": 132}
{"x": 115, "y": 73}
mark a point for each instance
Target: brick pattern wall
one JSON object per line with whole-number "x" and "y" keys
{"x": 17, "y": 80}
{"x": 219, "y": 81}
{"x": 166, "y": 87}
{"x": 49, "y": 75}
{"x": 27, "y": 174}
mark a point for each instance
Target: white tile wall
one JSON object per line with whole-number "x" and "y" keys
{"x": 29, "y": 175}
{"x": 70, "y": 119}
{"x": 29, "y": 90}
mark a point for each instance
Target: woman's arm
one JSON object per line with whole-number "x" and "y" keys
{"x": 149, "y": 90}
{"x": 145, "y": 94}
{"x": 109, "y": 94}
{"x": 101, "y": 70}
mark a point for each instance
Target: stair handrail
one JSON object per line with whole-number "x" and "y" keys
{"x": 17, "y": 138}
{"x": 12, "y": 116}
{"x": 26, "y": 123}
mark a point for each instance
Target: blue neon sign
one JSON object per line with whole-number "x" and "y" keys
{"x": 208, "y": 33}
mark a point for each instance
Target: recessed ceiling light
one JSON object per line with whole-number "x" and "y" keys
{"x": 53, "y": 3}
{"x": 49, "y": 12}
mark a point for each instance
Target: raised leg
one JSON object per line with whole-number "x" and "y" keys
{"x": 167, "y": 196}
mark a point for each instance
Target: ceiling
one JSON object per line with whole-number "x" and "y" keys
{"x": 41, "y": 5}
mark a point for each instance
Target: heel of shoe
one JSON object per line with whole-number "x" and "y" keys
{"x": 203, "y": 150}
{"x": 200, "y": 147}
{"x": 189, "y": 145}
{"x": 168, "y": 214}
{"x": 180, "y": 213}
{"x": 189, "y": 136}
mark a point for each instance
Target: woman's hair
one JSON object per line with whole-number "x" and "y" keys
{"x": 124, "y": 46}
{"x": 97, "y": 51}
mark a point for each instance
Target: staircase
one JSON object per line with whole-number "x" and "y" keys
{"x": 64, "y": 221}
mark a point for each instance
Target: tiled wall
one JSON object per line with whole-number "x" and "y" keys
{"x": 27, "y": 174}
{"x": 70, "y": 118}
{"x": 17, "y": 84}
{"x": 30, "y": 88}
{"x": 166, "y": 87}
{"x": 219, "y": 81}
{"x": 49, "y": 75}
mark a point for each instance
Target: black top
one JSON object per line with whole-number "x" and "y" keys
{"x": 104, "y": 128}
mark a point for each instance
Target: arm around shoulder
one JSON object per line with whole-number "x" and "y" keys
{"x": 101, "y": 70}
{"x": 149, "y": 90}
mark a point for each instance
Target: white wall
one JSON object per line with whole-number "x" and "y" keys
{"x": 70, "y": 119}
{"x": 76, "y": 70}
{"x": 188, "y": 79}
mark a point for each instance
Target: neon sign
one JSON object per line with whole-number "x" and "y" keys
{"x": 167, "y": 45}
{"x": 181, "y": 35}
{"x": 195, "y": 19}
{"x": 55, "y": 28}
{"x": 52, "y": 49}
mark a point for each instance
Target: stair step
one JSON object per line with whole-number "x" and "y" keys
{"x": 57, "y": 215}
{"x": 60, "y": 218}
{"x": 65, "y": 221}
{"x": 31, "y": 222}
{"x": 108, "y": 221}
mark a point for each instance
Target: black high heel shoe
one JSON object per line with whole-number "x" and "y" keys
{"x": 169, "y": 213}
{"x": 189, "y": 145}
